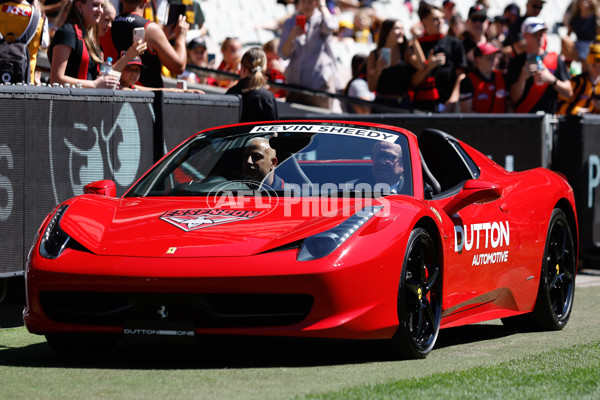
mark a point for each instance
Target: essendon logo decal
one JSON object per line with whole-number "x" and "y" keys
{"x": 190, "y": 220}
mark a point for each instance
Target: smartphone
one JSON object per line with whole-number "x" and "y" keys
{"x": 301, "y": 22}
{"x": 386, "y": 54}
{"x": 175, "y": 10}
{"x": 139, "y": 33}
{"x": 211, "y": 58}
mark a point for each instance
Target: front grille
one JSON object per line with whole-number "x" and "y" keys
{"x": 214, "y": 310}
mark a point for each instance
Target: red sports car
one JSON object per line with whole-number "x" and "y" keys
{"x": 315, "y": 229}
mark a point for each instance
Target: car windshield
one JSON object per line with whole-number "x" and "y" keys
{"x": 313, "y": 159}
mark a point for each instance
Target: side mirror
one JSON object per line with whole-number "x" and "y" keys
{"x": 473, "y": 191}
{"x": 104, "y": 187}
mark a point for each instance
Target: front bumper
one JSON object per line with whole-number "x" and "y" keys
{"x": 264, "y": 294}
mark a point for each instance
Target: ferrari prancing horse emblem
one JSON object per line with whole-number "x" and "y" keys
{"x": 162, "y": 312}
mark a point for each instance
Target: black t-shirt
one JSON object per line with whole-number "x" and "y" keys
{"x": 257, "y": 105}
{"x": 66, "y": 35}
{"x": 122, "y": 38}
{"x": 445, "y": 75}
{"x": 395, "y": 79}
{"x": 548, "y": 101}
{"x": 514, "y": 32}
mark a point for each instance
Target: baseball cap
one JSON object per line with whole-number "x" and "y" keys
{"x": 478, "y": 11}
{"x": 512, "y": 8}
{"x": 448, "y": 3}
{"x": 487, "y": 48}
{"x": 533, "y": 25}
{"x": 196, "y": 42}
{"x": 134, "y": 61}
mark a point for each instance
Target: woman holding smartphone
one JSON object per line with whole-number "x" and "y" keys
{"x": 74, "y": 52}
{"x": 388, "y": 72}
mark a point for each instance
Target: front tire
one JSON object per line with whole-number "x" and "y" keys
{"x": 419, "y": 298}
{"x": 557, "y": 281}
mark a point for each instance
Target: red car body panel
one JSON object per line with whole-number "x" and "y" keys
{"x": 490, "y": 270}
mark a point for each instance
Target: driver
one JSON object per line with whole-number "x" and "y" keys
{"x": 388, "y": 168}
{"x": 259, "y": 161}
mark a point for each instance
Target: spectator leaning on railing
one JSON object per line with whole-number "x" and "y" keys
{"x": 160, "y": 51}
{"x": 74, "y": 54}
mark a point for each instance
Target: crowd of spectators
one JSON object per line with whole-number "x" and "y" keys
{"x": 444, "y": 63}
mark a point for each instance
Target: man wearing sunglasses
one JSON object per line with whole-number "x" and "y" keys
{"x": 475, "y": 27}
{"x": 533, "y": 8}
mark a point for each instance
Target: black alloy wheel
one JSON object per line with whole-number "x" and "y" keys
{"x": 419, "y": 298}
{"x": 557, "y": 281}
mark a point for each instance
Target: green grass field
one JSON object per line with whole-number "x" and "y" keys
{"x": 477, "y": 361}
{"x": 570, "y": 373}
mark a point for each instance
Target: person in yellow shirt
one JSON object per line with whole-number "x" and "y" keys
{"x": 586, "y": 90}
{"x": 15, "y": 17}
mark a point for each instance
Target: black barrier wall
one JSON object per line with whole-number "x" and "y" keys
{"x": 577, "y": 156}
{"x": 54, "y": 141}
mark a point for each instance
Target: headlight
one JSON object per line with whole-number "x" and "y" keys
{"x": 54, "y": 240}
{"x": 324, "y": 243}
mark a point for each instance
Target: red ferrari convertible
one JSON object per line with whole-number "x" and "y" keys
{"x": 314, "y": 229}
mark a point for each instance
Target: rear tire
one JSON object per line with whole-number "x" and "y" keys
{"x": 419, "y": 298}
{"x": 557, "y": 281}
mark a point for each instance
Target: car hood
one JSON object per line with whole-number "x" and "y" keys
{"x": 154, "y": 227}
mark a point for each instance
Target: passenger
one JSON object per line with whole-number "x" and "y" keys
{"x": 387, "y": 172}
{"x": 260, "y": 159}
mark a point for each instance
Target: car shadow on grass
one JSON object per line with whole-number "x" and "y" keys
{"x": 234, "y": 352}
{"x": 472, "y": 334}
